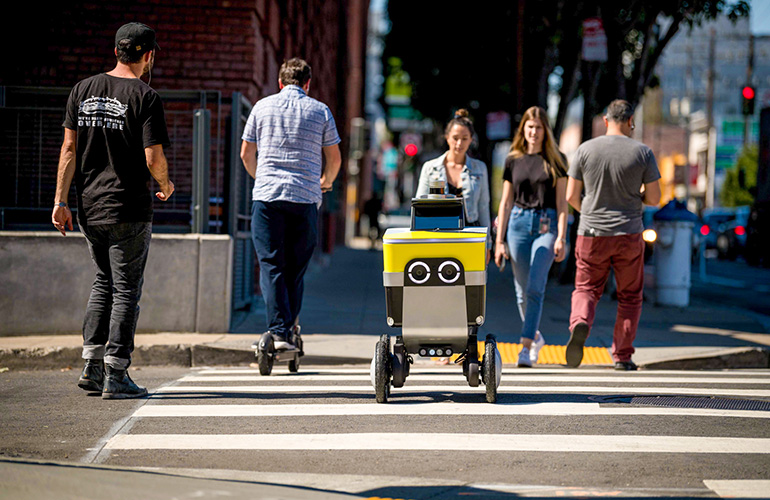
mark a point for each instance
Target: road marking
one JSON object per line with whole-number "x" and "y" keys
{"x": 422, "y": 369}
{"x": 442, "y": 442}
{"x": 503, "y": 389}
{"x": 545, "y": 409}
{"x": 739, "y": 488}
{"x": 507, "y": 377}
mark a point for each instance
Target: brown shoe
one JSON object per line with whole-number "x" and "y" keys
{"x": 575, "y": 345}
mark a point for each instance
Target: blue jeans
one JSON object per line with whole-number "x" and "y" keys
{"x": 531, "y": 256}
{"x": 284, "y": 236}
{"x": 119, "y": 253}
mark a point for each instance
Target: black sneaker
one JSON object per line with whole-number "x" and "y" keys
{"x": 118, "y": 385}
{"x": 625, "y": 366}
{"x": 575, "y": 345}
{"x": 92, "y": 378}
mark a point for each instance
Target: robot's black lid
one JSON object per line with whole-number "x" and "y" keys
{"x": 438, "y": 212}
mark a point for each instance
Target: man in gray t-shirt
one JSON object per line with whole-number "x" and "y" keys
{"x": 619, "y": 174}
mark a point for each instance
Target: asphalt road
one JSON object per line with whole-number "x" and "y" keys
{"x": 554, "y": 432}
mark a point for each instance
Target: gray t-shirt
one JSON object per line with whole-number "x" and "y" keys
{"x": 613, "y": 169}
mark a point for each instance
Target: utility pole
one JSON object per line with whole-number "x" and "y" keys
{"x": 710, "y": 158}
{"x": 749, "y": 76}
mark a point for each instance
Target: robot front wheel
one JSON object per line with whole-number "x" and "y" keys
{"x": 381, "y": 369}
{"x": 491, "y": 367}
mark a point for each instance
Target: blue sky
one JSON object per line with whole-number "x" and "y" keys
{"x": 760, "y": 17}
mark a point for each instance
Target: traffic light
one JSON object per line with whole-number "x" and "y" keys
{"x": 410, "y": 149}
{"x": 748, "y": 95}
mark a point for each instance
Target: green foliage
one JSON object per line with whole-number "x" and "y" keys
{"x": 472, "y": 55}
{"x": 744, "y": 172}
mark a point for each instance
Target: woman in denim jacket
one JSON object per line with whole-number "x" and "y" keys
{"x": 533, "y": 208}
{"x": 463, "y": 176}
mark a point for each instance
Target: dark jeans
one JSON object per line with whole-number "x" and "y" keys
{"x": 119, "y": 253}
{"x": 284, "y": 235}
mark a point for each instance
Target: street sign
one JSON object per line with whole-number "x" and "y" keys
{"x": 498, "y": 125}
{"x": 594, "y": 40}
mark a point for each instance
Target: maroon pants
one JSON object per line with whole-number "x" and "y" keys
{"x": 595, "y": 256}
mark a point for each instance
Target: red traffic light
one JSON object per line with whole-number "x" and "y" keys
{"x": 748, "y": 93}
{"x": 410, "y": 149}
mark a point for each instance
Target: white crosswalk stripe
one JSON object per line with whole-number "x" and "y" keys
{"x": 503, "y": 389}
{"x": 344, "y": 395}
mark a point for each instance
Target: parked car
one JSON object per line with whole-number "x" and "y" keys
{"x": 731, "y": 235}
{"x": 711, "y": 220}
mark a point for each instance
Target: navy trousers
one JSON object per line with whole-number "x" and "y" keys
{"x": 284, "y": 235}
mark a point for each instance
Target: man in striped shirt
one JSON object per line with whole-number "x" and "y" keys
{"x": 287, "y": 139}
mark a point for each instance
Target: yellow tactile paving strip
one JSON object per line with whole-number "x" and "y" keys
{"x": 550, "y": 354}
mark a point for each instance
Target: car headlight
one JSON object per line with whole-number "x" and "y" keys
{"x": 649, "y": 235}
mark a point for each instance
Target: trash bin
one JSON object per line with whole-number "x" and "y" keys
{"x": 673, "y": 224}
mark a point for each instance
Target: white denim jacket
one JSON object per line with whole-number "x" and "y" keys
{"x": 474, "y": 179}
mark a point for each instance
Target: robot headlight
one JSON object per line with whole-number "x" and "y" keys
{"x": 419, "y": 272}
{"x": 449, "y": 271}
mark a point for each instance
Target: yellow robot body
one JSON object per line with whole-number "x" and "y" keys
{"x": 435, "y": 279}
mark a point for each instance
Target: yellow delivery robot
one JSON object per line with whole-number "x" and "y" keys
{"x": 435, "y": 287}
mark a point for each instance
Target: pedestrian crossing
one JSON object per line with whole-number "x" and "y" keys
{"x": 558, "y": 411}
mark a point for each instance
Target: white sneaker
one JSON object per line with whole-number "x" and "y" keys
{"x": 537, "y": 344}
{"x": 282, "y": 345}
{"x": 524, "y": 361}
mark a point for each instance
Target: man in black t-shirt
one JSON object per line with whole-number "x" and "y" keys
{"x": 114, "y": 134}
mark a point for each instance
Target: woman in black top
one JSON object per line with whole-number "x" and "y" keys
{"x": 533, "y": 209}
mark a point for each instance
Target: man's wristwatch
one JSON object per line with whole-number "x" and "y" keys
{"x": 61, "y": 204}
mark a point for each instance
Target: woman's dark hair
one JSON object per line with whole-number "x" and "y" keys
{"x": 460, "y": 118}
{"x": 295, "y": 71}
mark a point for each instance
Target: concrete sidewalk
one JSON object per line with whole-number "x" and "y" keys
{"x": 344, "y": 314}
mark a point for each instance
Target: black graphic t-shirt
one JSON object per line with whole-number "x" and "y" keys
{"x": 115, "y": 119}
{"x": 532, "y": 186}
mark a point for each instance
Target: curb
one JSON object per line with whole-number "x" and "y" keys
{"x": 741, "y": 357}
{"x": 54, "y": 358}
{"x": 199, "y": 355}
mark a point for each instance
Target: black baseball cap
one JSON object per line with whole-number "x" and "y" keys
{"x": 142, "y": 37}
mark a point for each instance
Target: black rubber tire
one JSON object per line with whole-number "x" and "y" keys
{"x": 294, "y": 364}
{"x": 490, "y": 372}
{"x": 265, "y": 355}
{"x": 382, "y": 369}
{"x": 473, "y": 373}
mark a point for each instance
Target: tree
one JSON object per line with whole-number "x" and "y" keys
{"x": 740, "y": 183}
{"x": 492, "y": 55}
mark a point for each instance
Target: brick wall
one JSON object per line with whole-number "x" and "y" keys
{"x": 221, "y": 45}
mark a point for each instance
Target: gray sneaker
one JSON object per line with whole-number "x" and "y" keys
{"x": 118, "y": 385}
{"x": 92, "y": 377}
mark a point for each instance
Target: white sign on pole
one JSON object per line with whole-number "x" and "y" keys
{"x": 594, "y": 40}
{"x": 498, "y": 125}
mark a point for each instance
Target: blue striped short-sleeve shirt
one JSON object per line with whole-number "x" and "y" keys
{"x": 289, "y": 128}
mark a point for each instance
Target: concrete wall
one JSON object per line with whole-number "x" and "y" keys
{"x": 45, "y": 280}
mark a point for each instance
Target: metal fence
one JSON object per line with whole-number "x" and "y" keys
{"x": 212, "y": 188}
